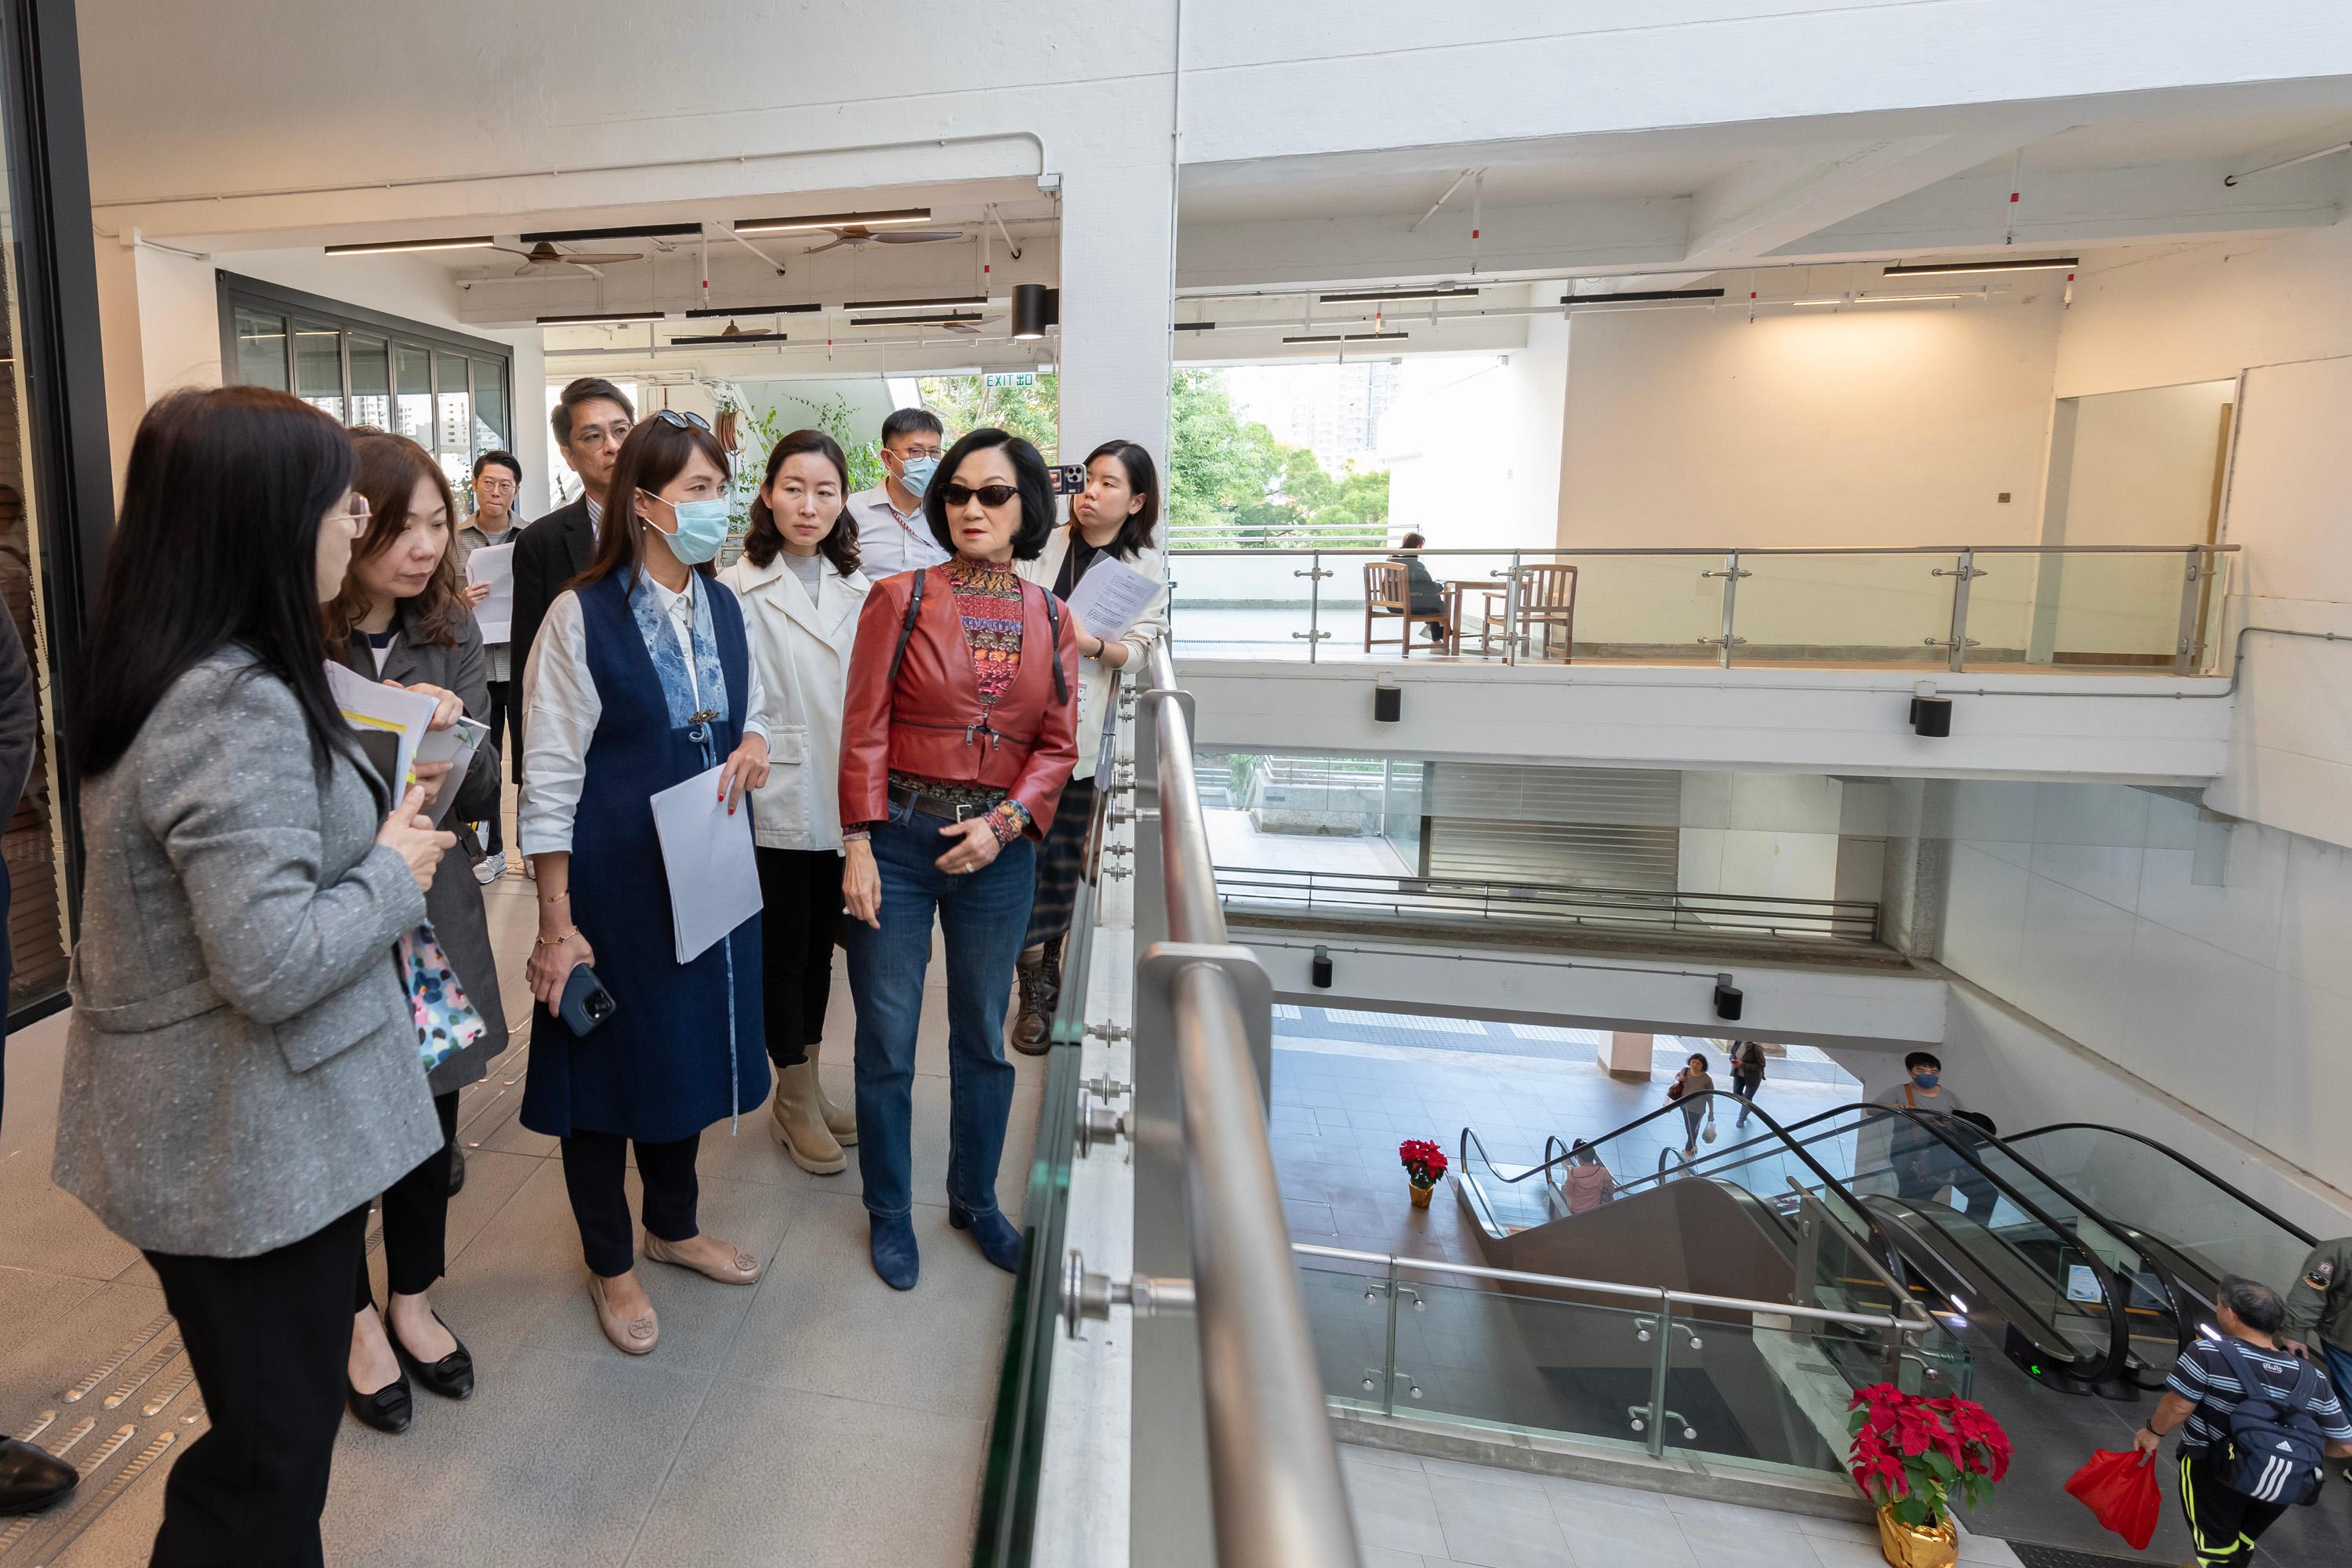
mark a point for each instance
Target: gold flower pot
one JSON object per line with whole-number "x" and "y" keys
{"x": 1906, "y": 1547}
{"x": 1421, "y": 1195}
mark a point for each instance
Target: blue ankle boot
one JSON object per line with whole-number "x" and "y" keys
{"x": 892, "y": 1242}
{"x": 998, "y": 1242}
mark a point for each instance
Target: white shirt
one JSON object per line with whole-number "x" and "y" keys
{"x": 561, "y": 707}
{"x": 891, "y": 541}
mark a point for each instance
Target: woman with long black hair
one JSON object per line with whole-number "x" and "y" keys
{"x": 1115, "y": 518}
{"x": 801, "y": 589}
{"x": 956, "y": 742}
{"x": 640, "y": 679}
{"x": 242, "y": 1071}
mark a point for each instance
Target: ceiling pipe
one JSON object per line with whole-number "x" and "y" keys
{"x": 1012, "y": 249}
{"x": 729, "y": 230}
{"x": 1441, "y": 201}
{"x": 2287, "y": 164}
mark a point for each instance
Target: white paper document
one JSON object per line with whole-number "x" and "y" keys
{"x": 371, "y": 705}
{"x": 1111, "y": 595}
{"x": 714, "y": 883}
{"x": 494, "y": 564}
{"x": 458, "y": 745}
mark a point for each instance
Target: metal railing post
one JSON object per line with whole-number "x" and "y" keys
{"x": 1731, "y": 574}
{"x": 1957, "y": 644}
{"x": 1388, "y": 1360}
{"x": 2184, "y": 658}
{"x": 1657, "y": 1432}
{"x": 1314, "y": 634}
{"x": 1511, "y": 612}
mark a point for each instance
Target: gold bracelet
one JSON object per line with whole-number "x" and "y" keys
{"x": 563, "y": 898}
{"x": 555, "y": 942}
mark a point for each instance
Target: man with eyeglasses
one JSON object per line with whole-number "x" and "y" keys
{"x": 589, "y": 420}
{"x": 892, "y": 536}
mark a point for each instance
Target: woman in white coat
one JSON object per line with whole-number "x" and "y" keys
{"x": 1118, "y": 516}
{"x": 800, "y": 591}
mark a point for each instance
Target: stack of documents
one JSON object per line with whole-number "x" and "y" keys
{"x": 494, "y": 564}
{"x": 403, "y": 719}
{"x": 714, "y": 881}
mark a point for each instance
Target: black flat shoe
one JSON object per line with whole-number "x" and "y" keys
{"x": 456, "y": 1169}
{"x": 31, "y": 1478}
{"x": 451, "y": 1377}
{"x": 388, "y": 1409}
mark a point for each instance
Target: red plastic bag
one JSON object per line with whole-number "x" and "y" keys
{"x": 2120, "y": 1490}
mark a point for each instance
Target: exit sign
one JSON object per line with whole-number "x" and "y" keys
{"x": 1011, "y": 378}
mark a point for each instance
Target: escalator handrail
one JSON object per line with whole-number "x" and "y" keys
{"x": 2118, "y": 1297}
{"x": 2178, "y": 1158}
{"x": 1881, "y": 1245}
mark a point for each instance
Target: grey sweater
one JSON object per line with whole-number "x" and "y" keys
{"x": 241, "y": 1067}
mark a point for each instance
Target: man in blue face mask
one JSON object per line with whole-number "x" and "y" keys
{"x": 892, "y": 535}
{"x": 1925, "y": 1166}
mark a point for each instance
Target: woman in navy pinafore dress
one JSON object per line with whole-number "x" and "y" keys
{"x": 639, "y": 679}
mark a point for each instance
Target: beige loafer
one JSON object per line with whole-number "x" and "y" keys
{"x": 630, "y": 1336}
{"x": 739, "y": 1268}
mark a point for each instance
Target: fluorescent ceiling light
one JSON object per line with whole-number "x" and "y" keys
{"x": 1196, "y": 326}
{"x": 1641, "y": 294}
{"x": 1945, "y": 269}
{"x": 403, "y": 247}
{"x": 584, "y": 318}
{"x": 933, "y": 318}
{"x": 725, "y": 339}
{"x": 701, "y": 311}
{"x": 1834, "y": 300}
{"x": 626, "y": 231}
{"x": 1343, "y": 337}
{"x": 1904, "y": 298}
{"x": 834, "y": 220}
{"x": 1394, "y": 294}
{"x": 904, "y": 304}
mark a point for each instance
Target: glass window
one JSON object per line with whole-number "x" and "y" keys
{"x": 453, "y": 428}
{"x": 319, "y": 366}
{"x": 489, "y": 407}
{"x": 371, "y": 382}
{"x": 414, "y": 399}
{"x": 260, "y": 348}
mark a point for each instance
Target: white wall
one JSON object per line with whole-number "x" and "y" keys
{"x": 2143, "y": 465}
{"x": 2205, "y": 957}
{"x": 1473, "y": 445}
{"x": 1761, "y": 833}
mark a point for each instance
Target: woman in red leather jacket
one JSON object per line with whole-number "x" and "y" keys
{"x": 959, "y": 732}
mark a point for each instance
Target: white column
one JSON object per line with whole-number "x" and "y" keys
{"x": 1628, "y": 1056}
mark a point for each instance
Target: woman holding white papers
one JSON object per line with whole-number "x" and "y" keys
{"x": 1115, "y": 518}
{"x": 640, "y": 680}
{"x": 401, "y": 617}
{"x": 800, "y": 591}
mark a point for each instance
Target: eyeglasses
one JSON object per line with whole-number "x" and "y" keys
{"x": 357, "y": 514}
{"x": 678, "y": 419}
{"x": 990, "y": 495}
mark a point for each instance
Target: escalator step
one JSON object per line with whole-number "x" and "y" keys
{"x": 2034, "y": 1556}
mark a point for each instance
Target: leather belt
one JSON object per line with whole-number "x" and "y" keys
{"x": 938, "y": 805}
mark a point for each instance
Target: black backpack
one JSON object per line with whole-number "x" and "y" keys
{"x": 2274, "y": 1450}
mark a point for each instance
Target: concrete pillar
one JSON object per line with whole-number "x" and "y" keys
{"x": 1628, "y": 1056}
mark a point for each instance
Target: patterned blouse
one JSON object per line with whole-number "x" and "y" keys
{"x": 988, "y": 601}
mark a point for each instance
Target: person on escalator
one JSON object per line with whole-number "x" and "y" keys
{"x": 1924, "y": 1163}
{"x": 2319, "y": 1314}
{"x": 1586, "y": 1184}
{"x": 2253, "y": 1420}
{"x": 1690, "y": 1089}
{"x": 1747, "y": 1076}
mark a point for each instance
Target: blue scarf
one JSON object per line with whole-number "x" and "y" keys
{"x": 654, "y": 626}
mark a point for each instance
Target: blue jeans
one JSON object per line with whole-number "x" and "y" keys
{"x": 982, "y": 916}
{"x": 2339, "y": 1367}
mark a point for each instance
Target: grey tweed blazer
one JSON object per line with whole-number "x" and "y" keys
{"x": 241, "y": 1067}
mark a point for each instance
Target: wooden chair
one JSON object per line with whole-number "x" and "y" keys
{"x": 1388, "y": 596}
{"x": 1547, "y": 605}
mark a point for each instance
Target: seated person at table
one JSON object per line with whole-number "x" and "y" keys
{"x": 1424, "y": 596}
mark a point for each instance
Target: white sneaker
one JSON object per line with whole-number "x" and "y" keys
{"x": 528, "y": 868}
{"x": 490, "y": 868}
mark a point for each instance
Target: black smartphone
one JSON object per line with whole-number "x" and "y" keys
{"x": 1069, "y": 478}
{"x": 586, "y": 1002}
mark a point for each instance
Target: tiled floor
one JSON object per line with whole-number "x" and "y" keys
{"x": 817, "y": 1416}
{"x": 1438, "y": 1513}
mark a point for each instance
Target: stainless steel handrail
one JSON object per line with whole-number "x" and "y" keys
{"x": 1274, "y": 1470}
{"x": 1719, "y": 551}
{"x": 1659, "y": 1293}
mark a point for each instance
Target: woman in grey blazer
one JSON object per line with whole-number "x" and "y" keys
{"x": 401, "y": 617}
{"x": 242, "y": 1072}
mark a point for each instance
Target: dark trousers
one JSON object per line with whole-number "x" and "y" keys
{"x": 799, "y": 915}
{"x": 593, "y": 1165}
{"x": 1746, "y": 1088}
{"x": 1060, "y": 858}
{"x": 505, "y": 719}
{"x": 269, "y": 1338}
{"x": 417, "y": 1219}
{"x": 2223, "y": 1525}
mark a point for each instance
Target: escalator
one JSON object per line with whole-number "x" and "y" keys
{"x": 1976, "y": 1234}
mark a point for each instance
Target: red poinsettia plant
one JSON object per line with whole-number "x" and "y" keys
{"x": 1424, "y": 1161}
{"x": 1910, "y": 1452}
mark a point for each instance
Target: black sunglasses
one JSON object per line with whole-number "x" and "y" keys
{"x": 990, "y": 495}
{"x": 682, "y": 420}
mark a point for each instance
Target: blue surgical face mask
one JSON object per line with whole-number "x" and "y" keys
{"x": 914, "y": 474}
{"x": 1926, "y": 1079}
{"x": 701, "y": 529}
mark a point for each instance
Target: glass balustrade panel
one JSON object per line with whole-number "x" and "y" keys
{"x": 1858, "y": 611}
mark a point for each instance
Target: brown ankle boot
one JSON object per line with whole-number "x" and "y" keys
{"x": 1032, "y": 1023}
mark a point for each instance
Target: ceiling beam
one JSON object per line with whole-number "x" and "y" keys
{"x": 1518, "y": 243}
